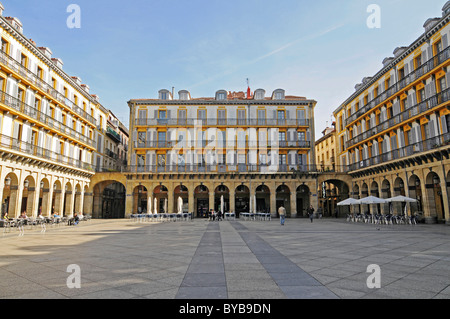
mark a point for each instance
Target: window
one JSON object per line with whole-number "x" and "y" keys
{"x": 222, "y": 117}
{"x": 162, "y": 115}
{"x": 442, "y": 85}
{"x": 282, "y": 159}
{"x": 281, "y": 117}
{"x": 161, "y": 139}
{"x": 261, "y": 117}
{"x": 5, "y": 46}
{"x": 418, "y": 62}
{"x": 422, "y": 95}
{"x": 163, "y": 96}
{"x": 221, "y": 96}
{"x": 40, "y": 73}
{"x": 401, "y": 74}
{"x": 301, "y": 136}
{"x": 161, "y": 160}
{"x": 23, "y": 60}
{"x": 141, "y": 139}
{"x": 182, "y": 117}
{"x": 438, "y": 47}
{"x": 241, "y": 117}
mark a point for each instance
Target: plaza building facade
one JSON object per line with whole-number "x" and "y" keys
{"x": 393, "y": 131}
{"x": 250, "y": 151}
{"x": 50, "y": 126}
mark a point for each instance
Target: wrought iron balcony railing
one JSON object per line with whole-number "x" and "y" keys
{"x": 403, "y": 117}
{"x": 21, "y": 70}
{"x": 32, "y": 112}
{"x": 426, "y": 67}
{"x": 222, "y": 122}
{"x": 33, "y": 150}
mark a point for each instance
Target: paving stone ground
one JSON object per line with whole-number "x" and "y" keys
{"x": 199, "y": 259}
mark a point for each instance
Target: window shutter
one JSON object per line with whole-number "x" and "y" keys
{"x": 444, "y": 41}
{"x": 444, "y": 125}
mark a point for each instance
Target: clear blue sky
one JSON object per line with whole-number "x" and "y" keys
{"x": 131, "y": 49}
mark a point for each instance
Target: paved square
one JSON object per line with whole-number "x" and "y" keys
{"x": 198, "y": 259}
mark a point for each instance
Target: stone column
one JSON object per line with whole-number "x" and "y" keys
{"x": 170, "y": 199}
{"x": 294, "y": 203}
{"x": 232, "y": 198}
{"x": 191, "y": 199}
{"x": 273, "y": 200}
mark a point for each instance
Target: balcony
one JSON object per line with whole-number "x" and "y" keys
{"x": 42, "y": 118}
{"x": 222, "y": 144}
{"x": 402, "y": 118}
{"x": 223, "y": 122}
{"x": 113, "y": 134}
{"x": 32, "y": 150}
{"x": 413, "y": 76}
{"x": 27, "y": 75}
{"x": 401, "y": 153}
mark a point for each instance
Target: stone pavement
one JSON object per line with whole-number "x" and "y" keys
{"x": 327, "y": 259}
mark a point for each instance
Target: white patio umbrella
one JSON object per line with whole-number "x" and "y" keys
{"x": 251, "y": 205}
{"x": 349, "y": 202}
{"x": 254, "y": 204}
{"x": 180, "y": 205}
{"x": 402, "y": 199}
{"x": 165, "y": 206}
{"x": 156, "y": 206}
{"x": 221, "y": 203}
{"x": 372, "y": 200}
{"x": 149, "y": 205}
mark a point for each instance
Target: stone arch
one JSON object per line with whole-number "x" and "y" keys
{"x": 201, "y": 201}
{"x": 183, "y": 192}
{"x": 57, "y": 203}
{"x": 399, "y": 187}
{"x": 29, "y": 204}
{"x": 303, "y": 200}
{"x": 262, "y": 193}
{"x": 222, "y": 190}
{"x": 242, "y": 199}
{"x": 283, "y": 197}
{"x": 160, "y": 199}
{"x": 10, "y": 195}
{"x": 435, "y": 200}
{"x": 107, "y": 200}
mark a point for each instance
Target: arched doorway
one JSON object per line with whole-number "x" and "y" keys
{"x": 242, "y": 200}
{"x": 283, "y": 195}
{"x": 435, "y": 200}
{"x": 303, "y": 200}
{"x": 263, "y": 199}
{"x": 415, "y": 191}
{"x": 57, "y": 205}
{"x": 220, "y": 191}
{"x": 182, "y": 192}
{"x": 140, "y": 199}
{"x": 201, "y": 201}
{"x": 108, "y": 200}
{"x": 29, "y": 189}
{"x": 160, "y": 199}
{"x": 10, "y": 190}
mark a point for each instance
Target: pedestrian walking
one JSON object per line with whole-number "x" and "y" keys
{"x": 311, "y": 213}
{"x": 282, "y": 213}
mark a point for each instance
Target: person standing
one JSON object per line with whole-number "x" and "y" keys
{"x": 282, "y": 213}
{"x": 311, "y": 213}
